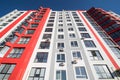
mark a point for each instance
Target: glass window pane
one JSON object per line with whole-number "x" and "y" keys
{"x": 103, "y": 71}
{"x": 37, "y": 74}
{"x": 63, "y": 75}
{"x": 6, "y": 70}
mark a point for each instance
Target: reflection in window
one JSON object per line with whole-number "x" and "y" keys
{"x": 48, "y": 30}
{"x": 60, "y": 30}
{"x": 6, "y": 70}
{"x": 103, "y": 72}
{"x": 109, "y": 41}
{"x": 3, "y": 50}
{"x": 60, "y": 75}
{"x": 44, "y": 45}
{"x": 72, "y": 35}
{"x": 95, "y": 55}
{"x": 24, "y": 40}
{"x": 30, "y": 31}
{"x": 82, "y": 29}
{"x": 13, "y": 39}
{"x": 33, "y": 25}
{"x": 60, "y": 45}
{"x": 116, "y": 51}
{"x": 47, "y": 36}
{"x": 89, "y": 43}
{"x": 85, "y": 35}
{"x": 41, "y": 57}
{"x": 79, "y": 24}
{"x": 80, "y": 72}
{"x": 60, "y": 36}
{"x": 60, "y": 57}
{"x": 74, "y": 44}
{"x": 16, "y": 53}
{"x": 76, "y": 55}
{"x": 37, "y": 74}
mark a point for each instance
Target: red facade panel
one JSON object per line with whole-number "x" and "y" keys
{"x": 23, "y": 60}
{"x": 13, "y": 24}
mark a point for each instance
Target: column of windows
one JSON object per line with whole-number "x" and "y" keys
{"x": 102, "y": 69}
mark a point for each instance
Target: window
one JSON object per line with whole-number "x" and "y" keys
{"x": 102, "y": 71}
{"x": 37, "y": 20}
{"x": 67, "y": 17}
{"x": 51, "y": 21}
{"x": 52, "y": 17}
{"x": 60, "y": 17}
{"x": 25, "y": 23}
{"x": 60, "y": 30}
{"x": 89, "y": 43}
{"x": 82, "y": 29}
{"x": 4, "y": 50}
{"x": 72, "y": 35}
{"x": 102, "y": 34}
{"x": 50, "y": 24}
{"x": 9, "y": 20}
{"x": 60, "y": 45}
{"x": 41, "y": 57}
{"x": 79, "y": 24}
{"x": 60, "y": 36}
{"x": 76, "y": 55}
{"x": 116, "y": 51}
{"x": 2, "y": 44}
{"x": 80, "y": 72}
{"x": 48, "y": 30}
{"x": 69, "y": 24}
{"x": 44, "y": 45}
{"x": 13, "y": 39}
{"x": 24, "y": 40}
{"x": 30, "y": 31}
{"x": 60, "y": 20}
{"x": 98, "y": 28}
{"x": 109, "y": 41}
{"x": 70, "y": 29}
{"x": 20, "y": 30}
{"x": 37, "y": 74}
{"x": 60, "y": 24}
{"x": 85, "y": 35}
{"x": 95, "y": 55}
{"x": 78, "y": 20}
{"x": 4, "y": 24}
{"x": 6, "y": 70}
{"x": 68, "y": 20}
{"x": 33, "y": 25}
{"x": 60, "y": 57}
{"x": 47, "y": 36}
{"x": 74, "y": 44}
{"x": 16, "y": 53}
{"x": 61, "y": 75}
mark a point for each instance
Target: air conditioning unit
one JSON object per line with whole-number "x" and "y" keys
{"x": 61, "y": 50}
{"x": 61, "y": 64}
{"x": 82, "y": 38}
{"x": 74, "y": 62}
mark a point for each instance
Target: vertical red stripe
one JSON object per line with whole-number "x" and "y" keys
{"x": 20, "y": 68}
{"x": 100, "y": 43}
{"x": 13, "y": 24}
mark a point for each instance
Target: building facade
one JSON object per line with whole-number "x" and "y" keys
{"x": 56, "y": 45}
{"x": 109, "y": 21}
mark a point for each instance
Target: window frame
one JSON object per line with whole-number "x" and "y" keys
{"x": 79, "y": 74}
{"x": 60, "y": 57}
{"x": 41, "y": 57}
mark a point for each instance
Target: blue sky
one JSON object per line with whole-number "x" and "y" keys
{"x": 9, "y": 5}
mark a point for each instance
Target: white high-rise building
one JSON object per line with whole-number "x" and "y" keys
{"x": 56, "y": 45}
